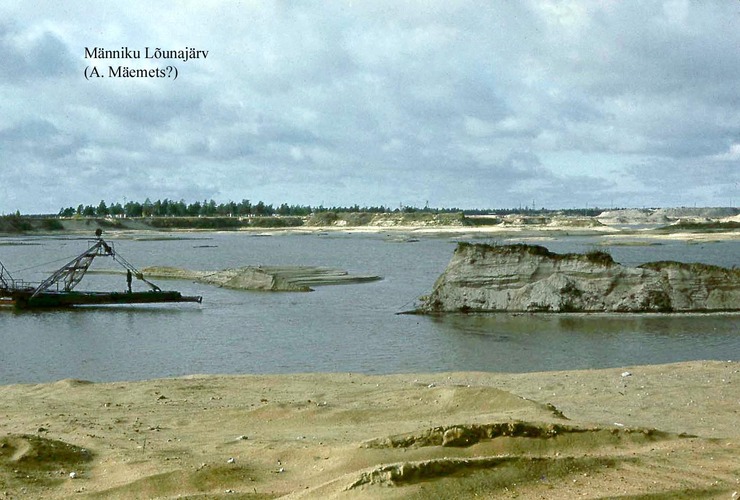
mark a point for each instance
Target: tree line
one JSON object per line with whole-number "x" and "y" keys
{"x": 205, "y": 208}
{"x": 245, "y": 208}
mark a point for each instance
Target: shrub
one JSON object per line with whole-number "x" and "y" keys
{"x": 51, "y": 225}
{"x": 108, "y": 223}
{"x": 194, "y": 222}
{"x": 275, "y": 222}
{"x": 600, "y": 257}
{"x": 323, "y": 218}
{"x": 15, "y": 224}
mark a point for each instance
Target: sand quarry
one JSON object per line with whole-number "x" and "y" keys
{"x": 657, "y": 432}
{"x": 664, "y": 431}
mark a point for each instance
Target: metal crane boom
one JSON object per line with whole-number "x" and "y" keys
{"x": 72, "y": 273}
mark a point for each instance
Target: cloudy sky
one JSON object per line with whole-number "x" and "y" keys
{"x": 576, "y": 103}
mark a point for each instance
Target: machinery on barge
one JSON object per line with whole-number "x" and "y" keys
{"x": 58, "y": 290}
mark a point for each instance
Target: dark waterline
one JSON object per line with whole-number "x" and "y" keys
{"x": 346, "y": 328}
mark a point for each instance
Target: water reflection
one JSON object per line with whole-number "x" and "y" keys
{"x": 534, "y": 342}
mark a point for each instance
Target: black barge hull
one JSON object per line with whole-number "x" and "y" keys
{"x": 25, "y": 300}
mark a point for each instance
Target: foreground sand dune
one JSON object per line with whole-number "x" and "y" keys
{"x": 667, "y": 430}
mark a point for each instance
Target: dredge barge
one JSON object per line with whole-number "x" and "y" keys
{"x": 58, "y": 289}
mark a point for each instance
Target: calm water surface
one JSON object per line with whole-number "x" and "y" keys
{"x": 346, "y": 328}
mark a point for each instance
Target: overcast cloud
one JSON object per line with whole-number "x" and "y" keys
{"x": 458, "y": 104}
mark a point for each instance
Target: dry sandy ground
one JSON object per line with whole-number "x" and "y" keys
{"x": 583, "y": 434}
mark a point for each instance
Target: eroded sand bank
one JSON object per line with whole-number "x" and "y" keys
{"x": 267, "y": 278}
{"x": 572, "y": 434}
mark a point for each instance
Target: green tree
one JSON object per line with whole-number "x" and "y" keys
{"x": 244, "y": 207}
{"x": 194, "y": 209}
{"x": 259, "y": 209}
{"x": 116, "y": 210}
{"x": 179, "y": 209}
{"x": 147, "y": 208}
{"x": 232, "y": 209}
{"x": 134, "y": 209}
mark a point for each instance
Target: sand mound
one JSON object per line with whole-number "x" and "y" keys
{"x": 40, "y": 452}
{"x": 263, "y": 278}
{"x": 509, "y": 470}
{"x": 463, "y": 435}
{"x": 72, "y": 382}
{"x": 525, "y": 451}
{"x": 34, "y": 461}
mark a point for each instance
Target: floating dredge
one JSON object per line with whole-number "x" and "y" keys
{"x": 58, "y": 289}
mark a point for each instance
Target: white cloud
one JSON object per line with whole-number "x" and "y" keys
{"x": 375, "y": 102}
{"x": 732, "y": 154}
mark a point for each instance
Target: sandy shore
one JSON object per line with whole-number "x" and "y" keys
{"x": 608, "y": 235}
{"x": 585, "y": 434}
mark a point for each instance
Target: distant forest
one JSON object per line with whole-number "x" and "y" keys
{"x": 245, "y": 208}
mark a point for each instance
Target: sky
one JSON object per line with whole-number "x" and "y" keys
{"x": 500, "y": 104}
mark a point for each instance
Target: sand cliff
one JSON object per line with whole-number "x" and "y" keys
{"x": 530, "y": 278}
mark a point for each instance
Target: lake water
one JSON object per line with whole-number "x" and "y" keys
{"x": 343, "y": 328}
